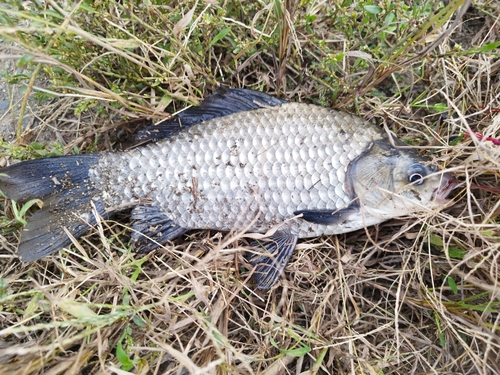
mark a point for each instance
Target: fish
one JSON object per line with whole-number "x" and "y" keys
{"x": 241, "y": 160}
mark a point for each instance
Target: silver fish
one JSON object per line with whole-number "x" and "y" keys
{"x": 240, "y": 160}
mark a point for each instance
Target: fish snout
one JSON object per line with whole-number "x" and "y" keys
{"x": 440, "y": 194}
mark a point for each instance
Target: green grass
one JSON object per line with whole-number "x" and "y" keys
{"x": 415, "y": 295}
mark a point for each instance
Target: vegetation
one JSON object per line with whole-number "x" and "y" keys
{"x": 416, "y": 295}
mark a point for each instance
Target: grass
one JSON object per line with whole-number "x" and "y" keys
{"x": 414, "y": 295}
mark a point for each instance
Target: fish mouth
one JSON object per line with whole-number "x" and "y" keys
{"x": 439, "y": 195}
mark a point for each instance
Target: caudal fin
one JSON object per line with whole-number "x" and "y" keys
{"x": 67, "y": 192}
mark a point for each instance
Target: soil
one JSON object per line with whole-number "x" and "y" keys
{"x": 11, "y": 97}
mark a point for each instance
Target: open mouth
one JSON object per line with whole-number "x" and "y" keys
{"x": 447, "y": 185}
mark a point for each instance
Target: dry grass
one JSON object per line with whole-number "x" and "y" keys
{"x": 418, "y": 295}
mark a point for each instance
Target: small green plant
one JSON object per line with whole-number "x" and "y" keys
{"x": 33, "y": 150}
{"x": 122, "y": 354}
{"x": 4, "y": 290}
{"x": 20, "y": 213}
{"x": 455, "y": 252}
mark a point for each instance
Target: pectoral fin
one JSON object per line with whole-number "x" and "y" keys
{"x": 271, "y": 257}
{"x": 328, "y": 217}
{"x": 150, "y": 223}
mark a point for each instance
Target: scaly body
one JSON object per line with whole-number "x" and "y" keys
{"x": 241, "y": 160}
{"x": 259, "y": 166}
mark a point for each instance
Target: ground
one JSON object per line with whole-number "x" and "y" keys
{"x": 414, "y": 295}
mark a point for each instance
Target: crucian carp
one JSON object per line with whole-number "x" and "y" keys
{"x": 241, "y": 159}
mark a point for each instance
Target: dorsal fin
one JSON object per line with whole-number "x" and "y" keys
{"x": 223, "y": 102}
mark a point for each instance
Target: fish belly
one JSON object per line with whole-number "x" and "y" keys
{"x": 250, "y": 170}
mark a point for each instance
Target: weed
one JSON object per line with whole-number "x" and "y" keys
{"x": 413, "y": 295}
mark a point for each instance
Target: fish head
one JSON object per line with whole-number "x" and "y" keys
{"x": 391, "y": 182}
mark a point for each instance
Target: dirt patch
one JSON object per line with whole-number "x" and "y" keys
{"x": 11, "y": 97}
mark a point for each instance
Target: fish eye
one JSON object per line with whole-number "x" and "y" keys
{"x": 416, "y": 175}
{"x": 416, "y": 179}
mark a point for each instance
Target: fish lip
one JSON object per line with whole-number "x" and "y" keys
{"x": 440, "y": 194}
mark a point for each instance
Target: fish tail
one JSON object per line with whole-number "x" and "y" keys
{"x": 68, "y": 195}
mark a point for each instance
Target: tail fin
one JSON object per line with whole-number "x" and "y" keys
{"x": 64, "y": 186}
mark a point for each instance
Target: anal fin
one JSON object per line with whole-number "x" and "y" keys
{"x": 271, "y": 257}
{"x": 152, "y": 228}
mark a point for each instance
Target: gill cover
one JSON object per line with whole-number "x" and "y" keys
{"x": 391, "y": 182}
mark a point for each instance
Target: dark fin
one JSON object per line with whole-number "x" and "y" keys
{"x": 152, "y": 224}
{"x": 275, "y": 253}
{"x": 45, "y": 233}
{"x": 328, "y": 217}
{"x": 39, "y": 178}
{"x": 223, "y": 102}
{"x": 63, "y": 184}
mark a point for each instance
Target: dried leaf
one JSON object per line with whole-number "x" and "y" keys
{"x": 184, "y": 21}
{"x": 78, "y": 310}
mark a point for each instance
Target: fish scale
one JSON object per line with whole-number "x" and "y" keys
{"x": 242, "y": 160}
{"x": 258, "y": 166}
